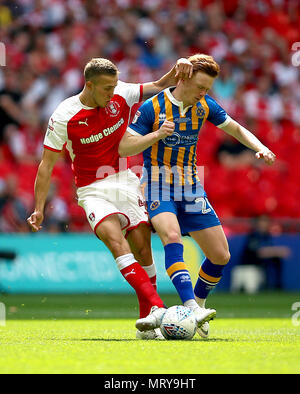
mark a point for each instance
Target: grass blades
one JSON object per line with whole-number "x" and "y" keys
{"x": 95, "y": 334}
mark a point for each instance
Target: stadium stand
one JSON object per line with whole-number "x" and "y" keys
{"x": 48, "y": 43}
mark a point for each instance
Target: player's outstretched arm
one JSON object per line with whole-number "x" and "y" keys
{"x": 41, "y": 188}
{"x": 183, "y": 69}
{"x": 133, "y": 144}
{"x": 248, "y": 139}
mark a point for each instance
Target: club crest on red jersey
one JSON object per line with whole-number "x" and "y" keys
{"x": 113, "y": 109}
{"x": 92, "y": 217}
{"x": 141, "y": 202}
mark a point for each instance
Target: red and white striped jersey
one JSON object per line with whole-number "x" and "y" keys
{"x": 92, "y": 135}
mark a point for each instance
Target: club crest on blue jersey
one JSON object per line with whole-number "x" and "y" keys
{"x": 154, "y": 205}
{"x": 200, "y": 112}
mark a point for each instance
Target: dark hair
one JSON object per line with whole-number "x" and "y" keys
{"x": 99, "y": 66}
{"x": 205, "y": 63}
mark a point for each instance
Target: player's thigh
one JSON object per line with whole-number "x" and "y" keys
{"x": 131, "y": 202}
{"x": 110, "y": 232}
{"x": 97, "y": 208}
{"x": 213, "y": 243}
{"x": 139, "y": 240}
{"x": 167, "y": 227}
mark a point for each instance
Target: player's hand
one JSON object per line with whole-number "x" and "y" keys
{"x": 166, "y": 130}
{"x": 183, "y": 69}
{"x": 268, "y": 156}
{"x": 35, "y": 221}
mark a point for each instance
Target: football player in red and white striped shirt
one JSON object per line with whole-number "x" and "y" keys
{"x": 91, "y": 125}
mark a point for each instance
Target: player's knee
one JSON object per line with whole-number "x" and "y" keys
{"x": 116, "y": 244}
{"x": 221, "y": 257}
{"x": 226, "y": 257}
{"x": 103, "y": 234}
{"x": 144, "y": 255}
{"x": 113, "y": 243}
{"x": 172, "y": 237}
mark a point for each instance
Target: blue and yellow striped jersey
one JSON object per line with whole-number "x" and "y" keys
{"x": 174, "y": 158}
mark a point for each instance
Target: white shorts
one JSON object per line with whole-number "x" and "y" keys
{"x": 117, "y": 194}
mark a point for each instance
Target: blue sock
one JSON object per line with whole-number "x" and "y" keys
{"x": 209, "y": 276}
{"x": 178, "y": 271}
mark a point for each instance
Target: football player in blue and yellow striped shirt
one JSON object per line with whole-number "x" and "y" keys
{"x": 166, "y": 128}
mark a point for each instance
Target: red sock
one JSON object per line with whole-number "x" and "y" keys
{"x": 136, "y": 276}
{"x": 153, "y": 281}
{"x": 139, "y": 280}
{"x": 151, "y": 271}
{"x": 145, "y": 307}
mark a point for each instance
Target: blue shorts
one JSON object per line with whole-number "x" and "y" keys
{"x": 192, "y": 215}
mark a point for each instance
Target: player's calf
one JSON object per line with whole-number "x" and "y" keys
{"x": 209, "y": 276}
{"x": 110, "y": 232}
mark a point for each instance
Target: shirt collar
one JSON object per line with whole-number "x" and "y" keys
{"x": 82, "y": 105}
{"x": 174, "y": 101}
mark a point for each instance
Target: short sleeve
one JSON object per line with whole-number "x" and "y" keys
{"x": 217, "y": 115}
{"x": 56, "y": 135}
{"x": 131, "y": 92}
{"x": 143, "y": 121}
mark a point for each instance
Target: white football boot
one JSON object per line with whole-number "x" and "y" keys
{"x": 150, "y": 334}
{"x": 203, "y": 316}
{"x": 203, "y": 331}
{"x": 152, "y": 321}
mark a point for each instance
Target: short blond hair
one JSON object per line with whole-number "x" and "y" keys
{"x": 99, "y": 66}
{"x": 205, "y": 63}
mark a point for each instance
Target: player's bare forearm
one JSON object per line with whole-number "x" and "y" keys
{"x": 132, "y": 145}
{"x": 41, "y": 188}
{"x": 248, "y": 139}
{"x": 182, "y": 69}
{"x": 42, "y": 185}
{"x": 243, "y": 135}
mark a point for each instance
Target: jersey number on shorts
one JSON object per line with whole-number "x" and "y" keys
{"x": 206, "y": 207}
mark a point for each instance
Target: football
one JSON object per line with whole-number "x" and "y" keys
{"x": 178, "y": 322}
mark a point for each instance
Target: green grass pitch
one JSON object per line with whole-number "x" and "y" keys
{"x": 95, "y": 334}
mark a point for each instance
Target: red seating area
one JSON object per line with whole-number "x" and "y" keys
{"x": 48, "y": 43}
{"x": 245, "y": 191}
{"x": 255, "y": 189}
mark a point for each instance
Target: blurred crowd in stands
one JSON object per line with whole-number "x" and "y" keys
{"x": 48, "y": 43}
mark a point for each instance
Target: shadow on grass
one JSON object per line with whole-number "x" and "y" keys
{"x": 137, "y": 340}
{"x": 195, "y": 340}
